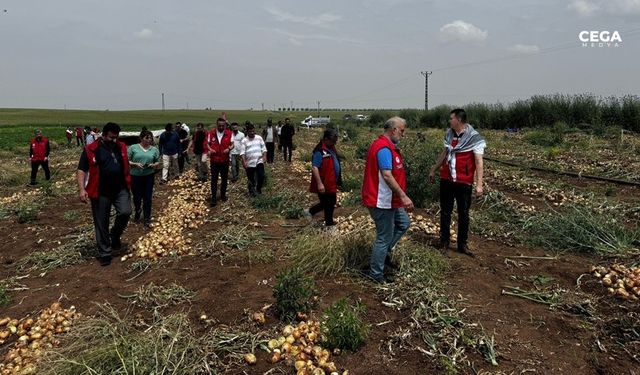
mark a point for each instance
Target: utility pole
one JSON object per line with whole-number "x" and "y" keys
{"x": 291, "y": 108}
{"x": 426, "y": 75}
{"x": 318, "y": 108}
{"x": 163, "y": 102}
{"x": 263, "y": 106}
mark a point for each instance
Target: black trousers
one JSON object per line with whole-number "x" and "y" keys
{"x": 34, "y": 170}
{"x": 142, "y": 187}
{"x": 328, "y": 205}
{"x": 101, "y": 209}
{"x": 221, "y": 169}
{"x": 255, "y": 179}
{"x": 286, "y": 150}
{"x": 461, "y": 194}
{"x": 271, "y": 148}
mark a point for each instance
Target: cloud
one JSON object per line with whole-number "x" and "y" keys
{"x": 321, "y": 20}
{"x": 525, "y": 49}
{"x": 144, "y": 34}
{"x": 460, "y": 31}
{"x": 588, "y": 8}
{"x": 297, "y": 39}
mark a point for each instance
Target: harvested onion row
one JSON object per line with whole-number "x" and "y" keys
{"x": 619, "y": 280}
{"x": 420, "y": 223}
{"x": 298, "y": 347}
{"x": 186, "y": 210}
{"x": 33, "y": 336}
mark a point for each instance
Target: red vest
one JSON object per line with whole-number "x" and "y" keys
{"x": 212, "y": 142}
{"x": 465, "y": 167}
{"x": 39, "y": 149}
{"x": 327, "y": 173}
{"x": 94, "y": 170}
{"x": 375, "y": 191}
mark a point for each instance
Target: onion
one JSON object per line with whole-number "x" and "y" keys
{"x": 250, "y": 358}
{"x": 288, "y": 330}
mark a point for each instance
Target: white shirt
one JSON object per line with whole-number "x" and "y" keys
{"x": 219, "y": 135}
{"x": 269, "y": 134}
{"x": 237, "y": 142}
{"x": 252, "y": 150}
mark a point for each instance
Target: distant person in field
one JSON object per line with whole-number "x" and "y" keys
{"x": 144, "y": 159}
{"x": 384, "y": 194}
{"x": 184, "y": 147}
{"x": 269, "y": 135}
{"x": 236, "y": 160}
{"x": 286, "y": 139}
{"x": 326, "y": 177}
{"x": 169, "y": 146}
{"x": 197, "y": 146}
{"x": 104, "y": 180}
{"x": 79, "y": 136}
{"x": 39, "y": 150}
{"x": 279, "y": 132}
{"x": 219, "y": 144}
{"x": 91, "y": 135}
{"x": 459, "y": 162}
{"x": 69, "y": 134}
{"x": 254, "y": 154}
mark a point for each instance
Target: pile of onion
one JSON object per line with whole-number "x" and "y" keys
{"x": 619, "y": 280}
{"x": 185, "y": 211}
{"x": 33, "y": 335}
{"x": 420, "y": 223}
{"x": 298, "y": 346}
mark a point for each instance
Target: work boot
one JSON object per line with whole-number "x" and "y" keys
{"x": 464, "y": 249}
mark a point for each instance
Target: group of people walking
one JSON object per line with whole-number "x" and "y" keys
{"x": 108, "y": 171}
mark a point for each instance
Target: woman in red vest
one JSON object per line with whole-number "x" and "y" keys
{"x": 326, "y": 177}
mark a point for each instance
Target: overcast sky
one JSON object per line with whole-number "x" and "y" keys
{"x": 117, "y": 54}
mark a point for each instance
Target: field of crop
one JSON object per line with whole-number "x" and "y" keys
{"x": 250, "y": 287}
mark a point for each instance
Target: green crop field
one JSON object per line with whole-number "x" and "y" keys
{"x": 17, "y": 125}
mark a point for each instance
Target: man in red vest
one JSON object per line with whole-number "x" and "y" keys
{"x": 39, "y": 156}
{"x": 104, "y": 180}
{"x": 219, "y": 144}
{"x": 384, "y": 193}
{"x": 463, "y": 150}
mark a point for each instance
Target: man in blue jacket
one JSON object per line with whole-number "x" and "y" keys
{"x": 169, "y": 145}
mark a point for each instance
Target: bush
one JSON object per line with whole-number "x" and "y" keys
{"x": 418, "y": 158}
{"x": 548, "y": 137}
{"x": 343, "y": 327}
{"x": 294, "y": 291}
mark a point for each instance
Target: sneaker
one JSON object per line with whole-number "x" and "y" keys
{"x": 331, "y": 230}
{"x": 307, "y": 215}
{"x": 382, "y": 280}
{"x": 464, "y": 249}
{"x": 104, "y": 261}
{"x": 390, "y": 263}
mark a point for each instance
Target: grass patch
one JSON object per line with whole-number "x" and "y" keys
{"x": 76, "y": 249}
{"x": 294, "y": 291}
{"x": 343, "y": 326}
{"x": 113, "y": 344}
{"x": 331, "y": 255}
{"x": 27, "y": 212}
{"x": 5, "y": 295}
{"x": 158, "y": 296}
{"x": 436, "y": 327}
{"x": 579, "y": 229}
{"x": 283, "y": 202}
{"x": 237, "y": 237}
{"x": 71, "y": 215}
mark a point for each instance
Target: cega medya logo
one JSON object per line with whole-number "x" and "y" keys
{"x": 600, "y": 39}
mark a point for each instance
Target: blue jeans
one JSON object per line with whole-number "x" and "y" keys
{"x": 391, "y": 224}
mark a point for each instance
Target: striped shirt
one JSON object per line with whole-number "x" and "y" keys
{"x": 252, "y": 150}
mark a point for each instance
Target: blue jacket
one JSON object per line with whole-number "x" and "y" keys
{"x": 169, "y": 143}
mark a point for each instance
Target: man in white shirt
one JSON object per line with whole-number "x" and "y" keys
{"x": 236, "y": 160}
{"x": 254, "y": 152}
{"x": 269, "y": 134}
